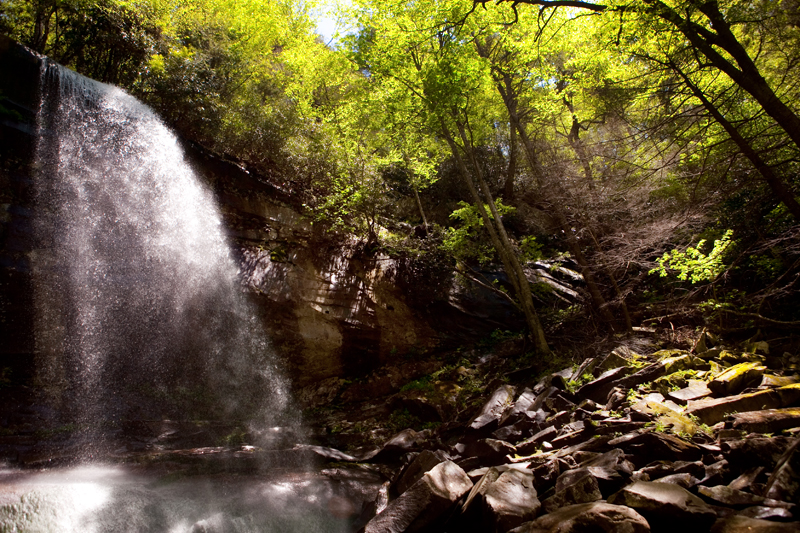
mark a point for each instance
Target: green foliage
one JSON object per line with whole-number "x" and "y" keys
{"x": 574, "y": 385}
{"x": 530, "y": 249}
{"x": 422, "y": 384}
{"x": 467, "y": 241}
{"x": 693, "y": 264}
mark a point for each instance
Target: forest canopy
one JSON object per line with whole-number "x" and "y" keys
{"x": 651, "y": 145}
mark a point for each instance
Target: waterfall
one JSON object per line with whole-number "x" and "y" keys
{"x": 139, "y": 310}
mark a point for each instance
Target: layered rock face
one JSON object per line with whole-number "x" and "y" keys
{"x": 331, "y": 308}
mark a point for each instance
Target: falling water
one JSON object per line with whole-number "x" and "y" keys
{"x": 140, "y": 314}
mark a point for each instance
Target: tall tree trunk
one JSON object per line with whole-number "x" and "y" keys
{"x": 511, "y": 172}
{"x": 516, "y": 268}
{"x": 507, "y": 256}
{"x": 598, "y": 301}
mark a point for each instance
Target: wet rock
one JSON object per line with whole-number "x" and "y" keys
{"x": 585, "y": 517}
{"x": 665, "y": 504}
{"x": 425, "y": 503}
{"x": 414, "y": 470}
{"x": 736, "y": 378}
{"x": 743, "y": 524}
{"x": 767, "y": 421}
{"x": 489, "y": 417}
{"x": 573, "y": 486}
{"x": 511, "y": 500}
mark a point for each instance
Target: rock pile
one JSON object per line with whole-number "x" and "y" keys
{"x": 675, "y": 441}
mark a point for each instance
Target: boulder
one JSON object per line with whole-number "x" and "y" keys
{"x": 736, "y": 378}
{"x": 747, "y": 478}
{"x": 598, "y": 389}
{"x": 414, "y": 470}
{"x": 472, "y": 509}
{"x": 644, "y": 447}
{"x": 767, "y": 421}
{"x": 753, "y": 452}
{"x": 648, "y": 373}
{"x": 683, "y": 362}
{"x": 520, "y": 407}
{"x": 511, "y": 500}
{"x": 722, "y": 494}
{"x": 529, "y": 446}
{"x": 493, "y": 410}
{"x": 784, "y": 483}
{"x": 489, "y": 452}
{"x": 573, "y": 486}
{"x": 713, "y": 410}
{"x": 769, "y": 380}
{"x": 516, "y": 432}
{"x": 666, "y": 504}
{"x": 406, "y": 441}
{"x": 425, "y": 503}
{"x": 547, "y": 473}
{"x": 696, "y": 390}
{"x": 585, "y": 517}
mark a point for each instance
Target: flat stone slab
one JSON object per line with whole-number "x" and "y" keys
{"x": 493, "y": 410}
{"x": 713, "y": 410}
{"x": 768, "y": 420}
{"x": 598, "y": 389}
{"x": 665, "y": 502}
{"x": 696, "y": 390}
{"x": 722, "y": 494}
{"x": 734, "y": 379}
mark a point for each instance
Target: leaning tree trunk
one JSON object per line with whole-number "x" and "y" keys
{"x": 510, "y": 263}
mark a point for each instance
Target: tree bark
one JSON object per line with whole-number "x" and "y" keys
{"x": 507, "y": 257}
